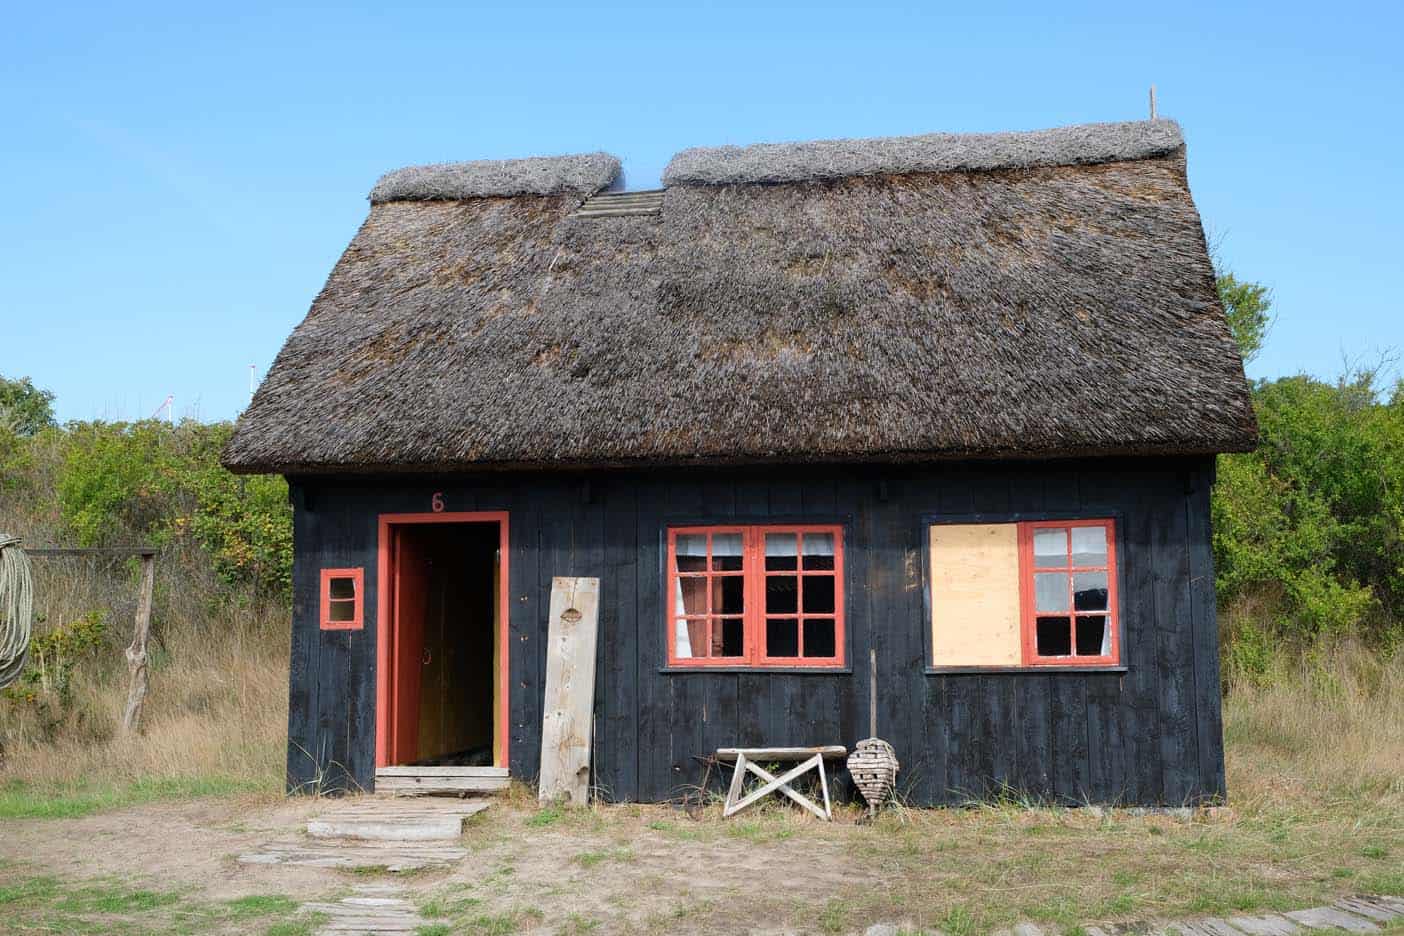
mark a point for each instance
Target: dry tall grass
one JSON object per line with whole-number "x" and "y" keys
{"x": 217, "y": 705}
{"x": 1329, "y": 724}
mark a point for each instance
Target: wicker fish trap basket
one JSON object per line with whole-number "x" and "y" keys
{"x": 873, "y": 766}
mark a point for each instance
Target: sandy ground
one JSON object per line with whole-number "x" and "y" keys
{"x": 638, "y": 869}
{"x": 657, "y": 869}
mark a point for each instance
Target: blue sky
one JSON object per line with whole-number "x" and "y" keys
{"x": 182, "y": 178}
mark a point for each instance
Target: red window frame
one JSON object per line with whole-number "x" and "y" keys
{"x": 1028, "y": 612}
{"x": 357, "y": 600}
{"x": 753, "y": 575}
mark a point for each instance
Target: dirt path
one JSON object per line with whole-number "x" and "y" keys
{"x": 649, "y": 869}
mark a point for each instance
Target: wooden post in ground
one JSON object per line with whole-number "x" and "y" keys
{"x": 136, "y": 653}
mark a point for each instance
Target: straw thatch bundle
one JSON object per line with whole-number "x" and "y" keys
{"x": 1000, "y": 295}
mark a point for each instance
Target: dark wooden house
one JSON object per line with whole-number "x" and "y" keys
{"x": 951, "y": 399}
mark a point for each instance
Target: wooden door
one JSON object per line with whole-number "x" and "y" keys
{"x": 407, "y": 637}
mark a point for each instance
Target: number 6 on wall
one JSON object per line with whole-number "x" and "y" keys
{"x": 437, "y": 502}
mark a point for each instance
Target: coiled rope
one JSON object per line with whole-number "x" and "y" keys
{"x": 16, "y": 608}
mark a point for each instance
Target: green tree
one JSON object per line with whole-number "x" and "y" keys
{"x": 24, "y": 408}
{"x": 1248, "y": 307}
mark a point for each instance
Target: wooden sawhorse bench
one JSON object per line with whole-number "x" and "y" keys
{"x": 811, "y": 758}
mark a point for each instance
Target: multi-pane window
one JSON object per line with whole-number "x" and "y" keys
{"x": 342, "y": 600}
{"x": 755, "y": 595}
{"x": 1069, "y": 592}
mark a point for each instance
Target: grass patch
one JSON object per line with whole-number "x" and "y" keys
{"x": 305, "y": 925}
{"x": 243, "y": 908}
{"x": 25, "y": 800}
{"x": 436, "y": 907}
{"x": 590, "y": 859}
{"x": 45, "y": 903}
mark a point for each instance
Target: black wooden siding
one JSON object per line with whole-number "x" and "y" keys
{"x": 1150, "y": 734}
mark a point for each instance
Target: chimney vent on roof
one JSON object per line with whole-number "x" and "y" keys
{"x": 621, "y": 204}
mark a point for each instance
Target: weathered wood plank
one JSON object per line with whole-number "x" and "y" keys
{"x": 1331, "y": 918}
{"x": 831, "y": 751}
{"x": 423, "y": 786}
{"x": 1179, "y": 743}
{"x": 1208, "y": 716}
{"x": 441, "y": 771}
{"x": 617, "y": 767}
{"x": 654, "y": 697}
{"x": 525, "y": 631}
{"x": 570, "y": 689}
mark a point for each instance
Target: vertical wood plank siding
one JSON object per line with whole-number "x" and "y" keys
{"x": 1148, "y": 735}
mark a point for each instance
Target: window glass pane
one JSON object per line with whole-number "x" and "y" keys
{"x": 782, "y": 637}
{"x": 781, "y": 594}
{"x": 691, "y": 639}
{"x": 341, "y": 610}
{"x": 729, "y": 595}
{"x": 1050, "y": 547}
{"x": 340, "y": 588}
{"x": 1093, "y": 636}
{"x": 780, "y": 551}
{"x": 1051, "y": 591}
{"x": 818, "y": 550}
{"x": 726, "y": 552}
{"x": 691, "y": 597}
{"x": 1089, "y": 591}
{"x": 692, "y": 552}
{"x": 728, "y": 636}
{"x": 818, "y": 594}
{"x": 1089, "y": 546}
{"x": 1053, "y": 636}
{"x": 818, "y": 637}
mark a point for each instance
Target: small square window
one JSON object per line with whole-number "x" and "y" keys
{"x": 342, "y": 599}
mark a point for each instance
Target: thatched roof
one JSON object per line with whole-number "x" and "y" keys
{"x": 1007, "y": 295}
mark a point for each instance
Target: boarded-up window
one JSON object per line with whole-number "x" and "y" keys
{"x": 1037, "y": 593}
{"x": 975, "y": 595}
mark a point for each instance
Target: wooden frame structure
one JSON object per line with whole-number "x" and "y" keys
{"x": 141, "y": 635}
{"x": 810, "y": 758}
{"x": 1028, "y": 611}
{"x": 384, "y": 724}
{"x": 756, "y": 616}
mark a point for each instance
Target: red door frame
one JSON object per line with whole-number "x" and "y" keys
{"x": 384, "y": 588}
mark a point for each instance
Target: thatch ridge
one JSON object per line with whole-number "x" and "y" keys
{"x": 1051, "y": 311}
{"x": 1084, "y": 144}
{"x": 584, "y": 174}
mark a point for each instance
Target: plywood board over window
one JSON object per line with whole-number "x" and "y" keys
{"x": 974, "y": 575}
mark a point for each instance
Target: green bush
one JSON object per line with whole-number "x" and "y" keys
{"x": 153, "y": 482}
{"x": 1313, "y": 521}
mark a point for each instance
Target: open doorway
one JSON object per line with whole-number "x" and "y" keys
{"x": 442, "y": 653}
